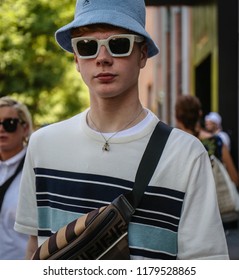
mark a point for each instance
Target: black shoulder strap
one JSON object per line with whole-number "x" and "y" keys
{"x": 149, "y": 162}
{"x": 5, "y": 186}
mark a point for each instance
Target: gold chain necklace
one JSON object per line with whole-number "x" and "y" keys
{"x": 106, "y": 146}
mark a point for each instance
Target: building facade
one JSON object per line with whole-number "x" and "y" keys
{"x": 198, "y": 43}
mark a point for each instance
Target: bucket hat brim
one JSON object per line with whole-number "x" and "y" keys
{"x": 115, "y": 18}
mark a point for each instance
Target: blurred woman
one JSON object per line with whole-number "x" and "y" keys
{"x": 15, "y": 130}
{"x": 188, "y": 114}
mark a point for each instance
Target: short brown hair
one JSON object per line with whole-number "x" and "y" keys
{"x": 79, "y": 31}
{"x": 188, "y": 111}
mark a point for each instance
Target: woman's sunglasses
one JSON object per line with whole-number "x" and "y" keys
{"x": 117, "y": 45}
{"x": 10, "y": 124}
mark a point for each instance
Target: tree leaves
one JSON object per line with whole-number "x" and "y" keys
{"x": 33, "y": 68}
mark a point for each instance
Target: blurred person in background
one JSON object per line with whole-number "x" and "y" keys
{"x": 188, "y": 113}
{"x": 213, "y": 124}
{"x": 15, "y": 130}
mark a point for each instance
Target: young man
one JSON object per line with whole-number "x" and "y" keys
{"x": 83, "y": 163}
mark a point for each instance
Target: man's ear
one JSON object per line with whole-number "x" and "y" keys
{"x": 143, "y": 55}
{"x": 76, "y": 63}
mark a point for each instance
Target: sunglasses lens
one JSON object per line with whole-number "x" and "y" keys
{"x": 119, "y": 45}
{"x": 10, "y": 125}
{"x": 87, "y": 47}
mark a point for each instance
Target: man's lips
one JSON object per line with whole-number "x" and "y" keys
{"x": 105, "y": 77}
{"x": 3, "y": 138}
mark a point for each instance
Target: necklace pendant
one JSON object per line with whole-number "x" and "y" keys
{"x": 106, "y": 147}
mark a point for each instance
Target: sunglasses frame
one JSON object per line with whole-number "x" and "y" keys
{"x": 105, "y": 42}
{"x": 15, "y": 121}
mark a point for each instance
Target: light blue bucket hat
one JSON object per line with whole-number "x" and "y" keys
{"x": 128, "y": 14}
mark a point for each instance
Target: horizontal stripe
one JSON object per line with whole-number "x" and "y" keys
{"x": 155, "y": 222}
{"x": 69, "y": 204}
{"x": 53, "y": 219}
{"x": 64, "y": 196}
{"x": 64, "y": 202}
{"x": 102, "y": 192}
{"x": 78, "y": 189}
{"x": 151, "y": 254}
{"x": 153, "y": 238}
{"x": 167, "y": 205}
{"x": 81, "y": 176}
{"x": 167, "y": 192}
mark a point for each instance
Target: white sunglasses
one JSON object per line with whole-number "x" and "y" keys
{"x": 120, "y": 45}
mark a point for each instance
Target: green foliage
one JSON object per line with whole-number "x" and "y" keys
{"x": 33, "y": 68}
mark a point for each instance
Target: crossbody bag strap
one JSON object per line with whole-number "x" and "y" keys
{"x": 149, "y": 162}
{"x": 6, "y": 185}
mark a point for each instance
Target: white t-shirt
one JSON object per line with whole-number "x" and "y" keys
{"x": 69, "y": 174}
{"x": 13, "y": 244}
{"x": 225, "y": 139}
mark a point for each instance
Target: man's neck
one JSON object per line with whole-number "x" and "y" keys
{"x": 111, "y": 119}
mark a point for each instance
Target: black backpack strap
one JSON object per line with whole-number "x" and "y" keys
{"x": 149, "y": 162}
{"x": 5, "y": 186}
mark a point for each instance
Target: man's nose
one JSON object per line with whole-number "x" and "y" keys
{"x": 104, "y": 57}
